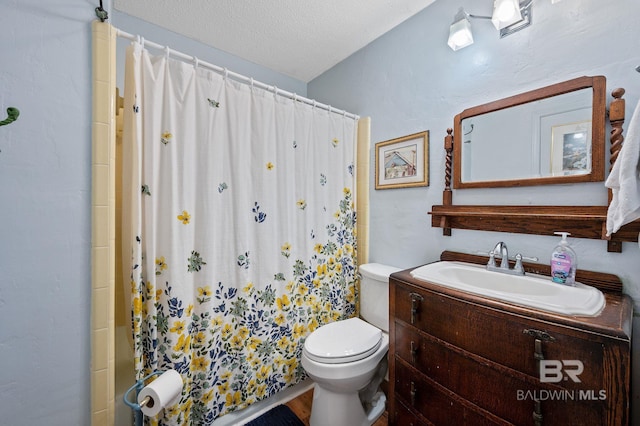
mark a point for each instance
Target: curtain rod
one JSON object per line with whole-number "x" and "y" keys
{"x": 234, "y": 75}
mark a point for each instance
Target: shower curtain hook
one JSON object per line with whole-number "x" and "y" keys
{"x": 196, "y": 62}
{"x": 226, "y": 73}
{"x": 313, "y": 105}
{"x": 251, "y": 81}
{"x": 167, "y": 51}
{"x": 275, "y": 92}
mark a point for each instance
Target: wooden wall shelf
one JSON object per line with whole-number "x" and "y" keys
{"x": 580, "y": 221}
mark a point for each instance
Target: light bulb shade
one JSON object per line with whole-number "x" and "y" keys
{"x": 505, "y": 13}
{"x": 460, "y": 34}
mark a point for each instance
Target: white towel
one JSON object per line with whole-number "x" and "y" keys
{"x": 624, "y": 179}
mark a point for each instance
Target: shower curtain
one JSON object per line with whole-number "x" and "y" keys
{"x": 240, "y": 221}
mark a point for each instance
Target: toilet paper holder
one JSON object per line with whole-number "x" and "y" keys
{"x": 137, "y": 408}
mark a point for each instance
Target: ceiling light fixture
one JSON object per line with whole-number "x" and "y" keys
{"x": 509, "y": 16}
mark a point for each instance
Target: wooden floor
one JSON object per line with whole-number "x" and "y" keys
{"x": 302, "y": 407}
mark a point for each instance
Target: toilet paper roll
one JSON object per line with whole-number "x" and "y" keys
{"x": 163, "y": 391}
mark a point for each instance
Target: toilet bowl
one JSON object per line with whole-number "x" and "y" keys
{"x": 347, "y": 359}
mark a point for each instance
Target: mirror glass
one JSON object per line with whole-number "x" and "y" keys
{"x": 550, "y": 135}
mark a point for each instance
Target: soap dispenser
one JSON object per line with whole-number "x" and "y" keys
{"x": 563, "y": 262}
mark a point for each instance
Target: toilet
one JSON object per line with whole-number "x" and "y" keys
{"x": 347, "y": 359}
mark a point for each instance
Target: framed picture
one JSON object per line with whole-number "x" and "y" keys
{"x": 571, "y": 148}
{"x": 403, "y": 162}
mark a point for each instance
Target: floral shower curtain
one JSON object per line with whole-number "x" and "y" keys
{"x": 240, "y": 217}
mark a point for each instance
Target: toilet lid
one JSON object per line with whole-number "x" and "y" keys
{"x": 343, "y": 341}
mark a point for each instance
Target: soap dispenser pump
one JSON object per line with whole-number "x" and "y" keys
{"x": 563, "y": 262}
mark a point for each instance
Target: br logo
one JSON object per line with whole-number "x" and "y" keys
{"x": 554, "y": 371}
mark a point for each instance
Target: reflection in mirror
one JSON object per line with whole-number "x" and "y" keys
{"x": 549, "y": 135}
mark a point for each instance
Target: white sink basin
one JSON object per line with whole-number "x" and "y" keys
{"x": 535, "y": 291}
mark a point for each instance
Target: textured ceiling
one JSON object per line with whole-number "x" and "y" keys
{"x": 298, "y": 38}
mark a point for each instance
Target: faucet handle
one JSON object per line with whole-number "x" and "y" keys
{"x": 518, "y": 268}
{"x": 492, "y": 259}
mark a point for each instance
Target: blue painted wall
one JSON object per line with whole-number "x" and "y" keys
{"x": 45, "y": 201}
{"x": 409, "y": 80}
{"x": 45, "y": 225}
{"x": 203, "y": 52}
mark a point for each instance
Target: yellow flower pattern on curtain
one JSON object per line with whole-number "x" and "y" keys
{"x": 243, "y": 232}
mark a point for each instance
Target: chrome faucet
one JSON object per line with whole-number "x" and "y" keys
{"x": 501, "y": 250}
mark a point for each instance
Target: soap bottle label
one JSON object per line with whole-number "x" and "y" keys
{"x": 560, "y": 268}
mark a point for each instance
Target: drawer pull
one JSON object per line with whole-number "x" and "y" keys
{"x": 539, "y": 334}
{"x": 537, "y": 352}
{"x": 415, "y": 304}
{"x": 537, "y": 414}
{"x": 413, "y": 393}
{"x": 414, "y": 352}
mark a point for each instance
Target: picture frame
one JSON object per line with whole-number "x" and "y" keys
{"x": 403, "y": 162}
{"x": 571, "y": 148}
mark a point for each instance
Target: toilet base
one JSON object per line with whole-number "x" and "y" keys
{"x": 343, "y": 409}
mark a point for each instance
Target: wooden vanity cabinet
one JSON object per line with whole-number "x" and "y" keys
{"x": 461, "y": 359}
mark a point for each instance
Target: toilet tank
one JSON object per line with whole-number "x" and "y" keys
{"x": 374, "y": 293}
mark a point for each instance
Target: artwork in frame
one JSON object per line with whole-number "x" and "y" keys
{"x": 403, "y": 162}
{"x": 571, "y": 148}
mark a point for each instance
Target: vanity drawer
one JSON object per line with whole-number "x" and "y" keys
{"x": 508, "y": 339}
{"x": 435, "y": 403}
{"x": 505, "y": 393}
{"x": 404, "y": 417}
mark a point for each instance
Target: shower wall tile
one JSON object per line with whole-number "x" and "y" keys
{"x": 100, "y": 135}
{"x": 103, "y": 227}
{"x": 100, "y": 274}
{"x": 101, "y": 349}
{"x": 100, "y": 185}
{"x": 101, "y": 310}
{"x": 100, "y": 226}
{"x": 103, "y": 111}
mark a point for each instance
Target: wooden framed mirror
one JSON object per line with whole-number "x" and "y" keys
{"x": 580, "y": 221}
{"x": 551, "y": 135}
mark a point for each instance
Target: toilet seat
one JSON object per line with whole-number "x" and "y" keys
{"x": 342, "y": 342}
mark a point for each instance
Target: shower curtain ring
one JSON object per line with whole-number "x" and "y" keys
{"x": 167, "y": 51}
{"x": 226, "y": 73}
